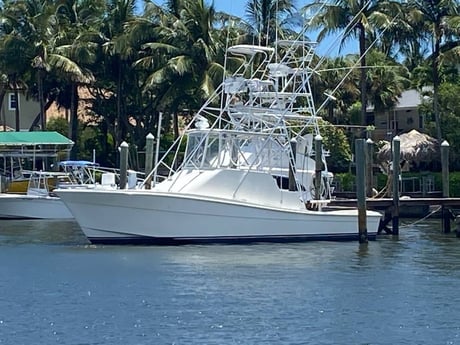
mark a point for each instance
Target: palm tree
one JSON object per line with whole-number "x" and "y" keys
{"x": 33, "y": 27}
{"x": 387, "y": 80}
{"x": 436, "y": 17}
{"x": 345, "y": 94}
{"x": 14, "y": 65}
{"x": 356, "y": 19}
{"x": 79, "y": 25}
{"x": 267, "y": 19}
{"x": 32, "y": 22}
{"x": 119, "y": 54}
{"x": 182, "y": 55}
{"x": 15, "y": 54}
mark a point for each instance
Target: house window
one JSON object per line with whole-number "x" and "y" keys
{"x": 12, "y": 102}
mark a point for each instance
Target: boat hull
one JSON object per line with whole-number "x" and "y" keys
{"x": 19, "y": 206}
{"x": 168, "y": 218}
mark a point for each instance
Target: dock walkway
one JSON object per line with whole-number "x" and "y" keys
{"x": 450, "y": 208}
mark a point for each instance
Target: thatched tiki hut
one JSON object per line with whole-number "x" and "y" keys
{"x": 416, "y": 149}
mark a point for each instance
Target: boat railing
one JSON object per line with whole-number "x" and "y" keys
{"x": 42, "y": 183}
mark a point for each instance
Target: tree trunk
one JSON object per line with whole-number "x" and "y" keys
{"x": 16, "y": 111}
{"x": 436, "y": 53}
{"x": 41, "y": 100}
{"x": 119, "y": 123}
{"x": 2, "y": 99}
{"x": 74, "y": 120}
{"x": 37, "y": 118}
{"x": 104, "y": 144}
{"x": 176, "y": 125}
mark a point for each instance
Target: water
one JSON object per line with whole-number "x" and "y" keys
{"x": 55, "y": 288}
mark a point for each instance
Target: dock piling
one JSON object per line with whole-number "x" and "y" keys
{"x": 292, "y": 162}
{"x": 157, "y": 147}
{"x": 370, "y": 163}
{"x": 446, "y": 214}
{"x": 396, "y": 174}
{"x": 318, "y": 165}
{"x": 361, "y": 189}
{"x": 149, "y": 142}
{"x": 123, "y": 164}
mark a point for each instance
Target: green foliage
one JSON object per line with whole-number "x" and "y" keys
{"x": 88, "y": 138}
{"x": 355, "y": 112}
{"x": 386, "y": 80}
{"x": 454, "y": 184}
{"x": 345, "y": 181}
{"x": 58, "y": 124}
{"x": 335, "y": 140}
{"x": 449, "y": 108}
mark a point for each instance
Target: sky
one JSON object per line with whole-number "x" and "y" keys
{"x": 329, "y": 47}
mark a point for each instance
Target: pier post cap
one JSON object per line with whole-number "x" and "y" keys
{"x": 124, "y": 144}
{"x": 369, "y": 141}
{"x": 318, "y": 137}
{"x": 150, "y": 136}
{"x": 396, "y": 138}
{"x": 445, "y": 143}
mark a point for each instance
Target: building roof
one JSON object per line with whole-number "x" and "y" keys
{"x": 409, "y": 99}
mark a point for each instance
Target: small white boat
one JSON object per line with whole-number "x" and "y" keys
{"x": 37, "y": 202}
{"x": 253, "y": 168}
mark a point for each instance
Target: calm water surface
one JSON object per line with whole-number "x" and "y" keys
{"x": 57, "y": 289}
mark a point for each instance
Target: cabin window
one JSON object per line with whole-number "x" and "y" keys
{"x": 195, "y": 150}
{"x": 12, "y": 101}
{"x": 212, "y": 152}
{"x": 283, "y": 183}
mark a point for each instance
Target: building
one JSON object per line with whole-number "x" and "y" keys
{"x": 28, "y": 110}
{"x": 402, "y": 118}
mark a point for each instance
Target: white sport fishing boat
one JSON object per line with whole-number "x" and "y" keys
{"x": 249, "y": 172}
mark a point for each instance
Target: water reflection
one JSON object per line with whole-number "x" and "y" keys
{"x": 40, "y": 231}
{"x": 396, "y": 290}
{"x": 437, "y": 252}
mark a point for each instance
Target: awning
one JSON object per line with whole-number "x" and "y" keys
{"x": 39, "y": 143}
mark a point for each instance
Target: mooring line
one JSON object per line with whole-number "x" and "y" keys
{"x": 422, "y": 219}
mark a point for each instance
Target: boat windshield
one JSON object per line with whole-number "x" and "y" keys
{"x": 229, "y": 149}
{"x": 204, "y": 151}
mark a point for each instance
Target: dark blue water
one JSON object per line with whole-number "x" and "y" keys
{"x": 57, "y": 289}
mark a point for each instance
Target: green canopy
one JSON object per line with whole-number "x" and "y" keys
{"x": 33, "y": 138}
{"x": 33, "y": 143}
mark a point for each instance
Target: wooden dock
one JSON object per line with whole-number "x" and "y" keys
{"x": 382, "y": 203}
{"x": 449, "y": 208}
